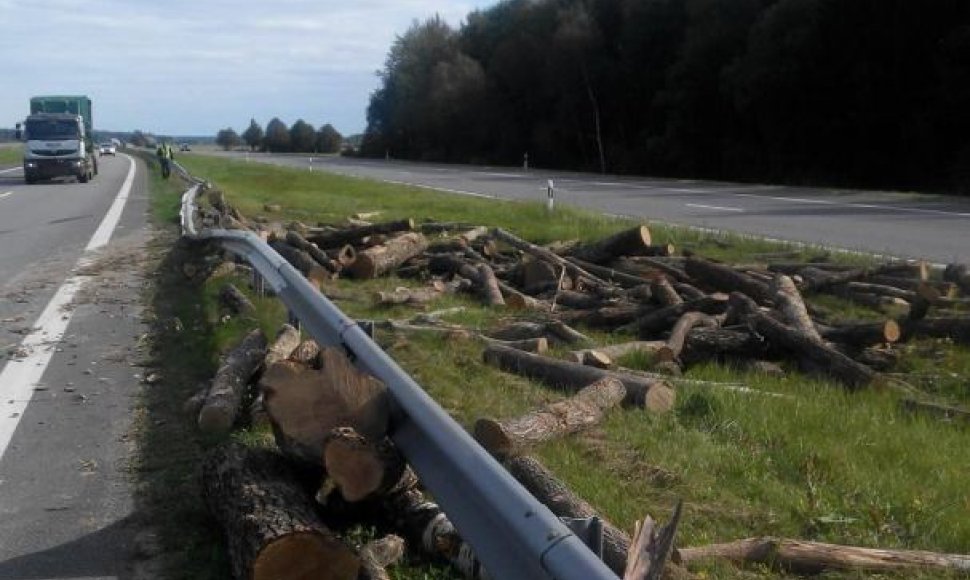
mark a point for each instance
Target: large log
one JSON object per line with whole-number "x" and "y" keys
{"x": 354, "y": 236}
{"x": 360, "y": 468}
{"x": 654, "y": 322}
{"x": 651, "y": 548}
{"x": 652, "y": 348}
{"x": 377, "y": 555}
{"x": 629, "y": 242}
{"x": 610, "y": 274}
{"x": 664, "y": 292}
{"x": 304, "y": 404}
{"x": 726, "y": 279}
{"x": 491, "y": 293}
{"x": 544, "y": 254}
{"x": 810, "y": 352}
{"x": 297, "y": 241}
{"x": 654, "y": 394}
{"x": 302, "y": 262}
{"x": 862, "y": 333}
{"x": 224, "y": 400}
{"x": 814, "y": 557}
{"x": 271, "y": 528}
{"x": 582, "y": 410}
{"x": 721, "y": 344}
{"x": 380, "y": 260}
{"x": 678, "y": 335}
{"x": 606, "y": 317}
{"x": 287, "y": 340}
{"x": 788, "y": 300}
{"x": 957, "y": 329}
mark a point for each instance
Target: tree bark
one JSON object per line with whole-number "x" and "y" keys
{"x": 302, "y": 262}
{"x": 675, "y": 343}
{"x": 306, "y": 353}
{"x": 607, "y": 317}
{"x": 345, "y": 256}
{"x": 297, "y": 241}
{"x": 544, "y": 254}
{"x": 654, "y": 322}
{"x": 360, "y": 468}
{"x": 377, "y": 555}
{"x": 788, "y": 300}
{"x": 653, "y": 348}
{"x": 235, "y": 300}
{"x": 957, "y": 329}
{"x": 354, "y": 236}
{"x": 584, "y": 409}
{"x": 271, "y": 528}
{"x": 629, "y": 242}
{"x": 720, "y": 344}
{"x": 654, "y": 394}
{"x": 489, "y": 286}
{"x": 223, "y": 402}
{"x": 814, "y": 557}
{"x": 380, "y": 260}
{"x": 651, "y": 548}
{"x": 304, "y": 404}
{"x": 725, "y": 279}
{"x": 862, "y": 333}
{"x": 664, "y": 292}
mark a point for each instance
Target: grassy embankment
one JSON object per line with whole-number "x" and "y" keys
{"x": 11, "y": 155}
{"x": 819, "y": 464}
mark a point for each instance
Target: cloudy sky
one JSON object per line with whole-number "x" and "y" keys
{"x": 180, "y": 67}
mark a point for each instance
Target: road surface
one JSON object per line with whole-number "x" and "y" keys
{"x": 899, "y": 224}
{"x": 69, "y": 324}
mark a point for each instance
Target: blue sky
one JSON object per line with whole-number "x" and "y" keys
{"x": 181, "y": 67}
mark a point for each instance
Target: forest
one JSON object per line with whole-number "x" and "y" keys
{"x": 859, "y": 93}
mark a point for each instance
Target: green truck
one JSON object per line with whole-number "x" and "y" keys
{"x": 58, "y": 139}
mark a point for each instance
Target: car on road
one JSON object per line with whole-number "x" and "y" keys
{"x": 184, "y": 147}
{"x": 107, "y": 149}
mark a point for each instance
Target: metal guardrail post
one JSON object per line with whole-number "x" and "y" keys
{"x": 513, "y": 534}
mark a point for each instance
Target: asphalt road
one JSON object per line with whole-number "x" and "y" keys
{"x": 899, "y": 224}
{"x": 70, "y": 321}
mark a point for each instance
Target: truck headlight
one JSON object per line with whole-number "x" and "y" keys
{"x": 31, "y": 164}
{"x": 76, "y": 163}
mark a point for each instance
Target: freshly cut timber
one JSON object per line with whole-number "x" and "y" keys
{"x": 654, "y": 394}
{"x": 286, "y": 341}
{"x": 489, "y": 285}
{"x": 360, "y": 468}
{"x": 726, "y": 279}
{"x": 356, "y": 235}
{"x": 297, "y": 241}
{"x": 378, "y": 554}
{"x": 720, "y": 344}
{"x": 380, "y": 260}
{"x": 519, "y": 331}
{"x": 344, "y": 256}
{"x": 957, "y": 329}
{"x": 235, "y": 300}
{"x": 654, "y": 322}
{"x": 844, "y": 369}
{"x": 272, "y": 530}
{"x": 614, "y": 275}
{"x": 307, "y": 353}
{"x": 404, "y": 295}
{"x": 652, "y": 348}
{"x": 651, "y": 548}
{"x": 584, "y": 409}
{"x": 578, "y": 300}
{"x": 664, "y": 292}
{"x": 630, "y": 242}
{"x": 862, "y": 333}
{"x": 304, "y": 404}
{"x": 544, "y": 254}
{"x": 607, "y": 317}
{"x": 537, "y": 276}
{"x": 224, "y": 400}
{"x": 814, "y": 557}
{"x": 302, "y": 262}
{"x": 788, "y": 300}
{"x": 678, "y": 335}
{"x": 566, "y": 333}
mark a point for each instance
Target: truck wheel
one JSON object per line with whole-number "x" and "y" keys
{"x": 83, "y": 178}
{"x": 30, "y": 180}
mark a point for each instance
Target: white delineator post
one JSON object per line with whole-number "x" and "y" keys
{"x": 550, "y": 196}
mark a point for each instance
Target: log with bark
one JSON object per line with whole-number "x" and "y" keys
{"x": 377, "y": 555}
{"x": 814, "y": 557}
{"x": 664, "y": 292}
{"x": 678, "y": 335}
{"x": 862, "y": 333}
{"x": 959, "y": 274}
{"x": 302, "y": 261}
{"x": 652, "y": 348}
{"x": 380, "y": 260}
{"x": 652, "y": 323}
{"x": 606, "y": 317}
{"x": 304, "y": 403}
{"x": 581, "y": 411}
{"x": 954, "y": 328}
{"x": 298, "y": 241}
{"x": 306, "y": 353}
{"x": 358, "y": 467}
{"x": 223, "y": 402}
{"x": 653, "y": 394}
{"x": 629, "y": 242}
{"x": 788, "y": 300}
{"x": 543, "y": 254}
{"x": 356, "y": 235}
{"x": 651, "y": 548}
{"x": 235, "y": 300}
{"x": 345, "y": 255}
{"x": 726, "y": 279}
{"x": 271, "y": 527}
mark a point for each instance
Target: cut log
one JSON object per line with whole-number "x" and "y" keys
{"x": 725, "y": 279}
{"x": 489, "y": 286}
{"x": 814, "y": 557}
{"x": 877, "y": 289}
{"x": 594, "y": 358}
{"x": 581, "y": 411}
{"x": 302, "y": 262}
{"x": 307, "y": 353}
{"x": 537, "y": 276}
{"x": 653, "y": 394}
{"x": 956, "y": 329}
{"x": 344, "y": 256}
{"x": 286, "y": 341}
{"x": 788, "y": 300}
{"x": 380, "y": 260}
{"x": 651, "y": 548}
{"x": 659, "y": 250}
{"x": 635, "y": 265}
{"x": 614, "y": 275}
{"x": 360, "y": 468}
{"x": 544, "y": 254}
{"x": 223, "y": 402}
{"x": 678, "y": 335}
{"x": 814, "y": 354}
{"x": 402, "y": 295}
{"x": 566, "y": 333}
{"x": 653, "y": 323}
{"x": 607, "y": 317}
{"x": 862, "y": 333}
{"x": 959, "y": 274}
{"x": 688, "y": 292}
{"x": 518, "y": 331}
{"x": 271, "y": 528}
{"x": 652, "y": 348}
{"x": 377, "y": 555}
{"x": 630, "y": 242}
{"x": 298, "y": 241}
{"x": 233, "y": 299}
{"x": 664, "y": 292}
{"x": 356, "y": 235}
{"x": 578, "y": 300}
{"x": 304, "y": 404}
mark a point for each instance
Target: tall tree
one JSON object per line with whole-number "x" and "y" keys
{"x": 277, "y": 137}
{"x": 303, "y": 138}
{"x": 253, "y": 135}
{"x": 228, "y": 138}
{"x": 328, "y": 139}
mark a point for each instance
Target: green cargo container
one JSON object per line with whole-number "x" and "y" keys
{"x": 75, "y": 105}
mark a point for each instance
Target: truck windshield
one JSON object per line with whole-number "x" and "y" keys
{"x": 52, "y": 129}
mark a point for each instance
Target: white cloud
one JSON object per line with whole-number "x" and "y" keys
{"x": 192, "y": 67}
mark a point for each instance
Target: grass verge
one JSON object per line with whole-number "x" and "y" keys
{"x": 11, "y": 155}
{"x": 815, "y": 463}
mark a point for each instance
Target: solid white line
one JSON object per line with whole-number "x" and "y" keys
{"x": 717, "y": 207}
{"x": 5, "y": 194}
{"x": 20, "y": 376}
{"x": 11, "y": 169}
{"x": 433, "y": 188}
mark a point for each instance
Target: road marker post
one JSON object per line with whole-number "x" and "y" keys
{"x": 550, "y": 196}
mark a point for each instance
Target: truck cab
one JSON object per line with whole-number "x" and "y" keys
{"x": 58, "y": 141}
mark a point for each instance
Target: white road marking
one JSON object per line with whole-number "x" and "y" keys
{"x": 11, "y": 169}
{"x": 433, "y": 188}
{"x": 20, "y": 376}
{"x": 5, "y": 194}
{"x": 717, "y": 207}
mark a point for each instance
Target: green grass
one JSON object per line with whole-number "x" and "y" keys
{"x": 813, "y": 462}
{"x": 11, "y": 155}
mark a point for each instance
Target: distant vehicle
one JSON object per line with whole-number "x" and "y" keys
{"x": 58, "y": 139}
{"x": 107, "y": 149}
{"x": 184, "y": 147}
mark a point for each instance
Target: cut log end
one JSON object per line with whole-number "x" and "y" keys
{"x": 306, "y": 556}
{"x": 660, "y": 398}
{"x": 493, "y": 437}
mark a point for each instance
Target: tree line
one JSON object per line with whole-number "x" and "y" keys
{"x": 278, "y": 138}
{"x": 857, "y": 92}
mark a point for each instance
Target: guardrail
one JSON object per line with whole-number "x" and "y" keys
{"x": 513, "y": 534}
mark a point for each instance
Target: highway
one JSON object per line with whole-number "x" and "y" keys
{"x": 70, "y": 319}
{"x": 932, "y": 227}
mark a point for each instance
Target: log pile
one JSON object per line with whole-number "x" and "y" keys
{"x": 330, "y": 421}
